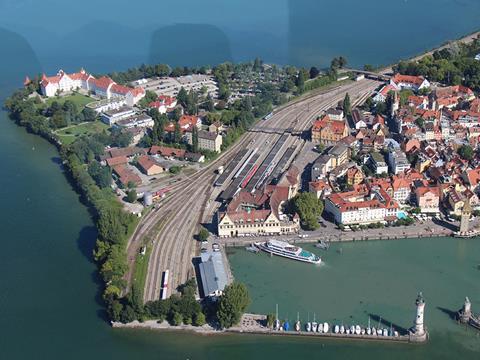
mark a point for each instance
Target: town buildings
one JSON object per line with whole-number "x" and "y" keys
{"x": 328, "y": 131}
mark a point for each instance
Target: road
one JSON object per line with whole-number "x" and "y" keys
{"x": 171, "y": 227}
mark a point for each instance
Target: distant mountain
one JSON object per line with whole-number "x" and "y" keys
{"x": 18, "y": 60}
{"x": 189, "y": 45}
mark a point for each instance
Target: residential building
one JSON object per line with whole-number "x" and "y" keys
{"x": 354, "y": 176}
{"x": 321, "y": 167}
{"x": 377, "y": 163}
{"x": 164, "y": 104}
{"x": 427, "y": 199}
{"x": 126, "y": 176}
{"x": 335, "y": 114}
{"x": 206, "y": 140}
{"x": 320, "y": 188}
{"x": 397, "y": 161}
{"x": 328, "y": 131}
{"x": 361, "y": 207}
{"x": 382, "y": 94}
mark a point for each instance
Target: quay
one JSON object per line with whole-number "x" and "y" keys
{"x": 256, "y": 324}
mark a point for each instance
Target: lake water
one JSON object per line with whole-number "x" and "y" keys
{"x": 49, "y": 305}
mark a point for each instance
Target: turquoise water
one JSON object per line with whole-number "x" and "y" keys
{"x": 377, "y": 280}
{"x": 49, "y": 305}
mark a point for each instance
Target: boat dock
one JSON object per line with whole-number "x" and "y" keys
{"x": 255, "y": 324}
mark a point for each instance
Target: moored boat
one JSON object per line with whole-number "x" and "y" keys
{"x": 336, "y": 329}
{"x": 325, "y": 327}
{"x": 308, "y": 326}
{"x": 342, "y": 329}
{"x": 284, "y": 249}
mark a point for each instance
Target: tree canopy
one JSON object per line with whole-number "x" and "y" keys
{"x": 309, "y": 208}
{"x": 232, "y": 304}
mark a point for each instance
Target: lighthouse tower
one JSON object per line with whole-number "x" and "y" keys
{"x": 419, "y": 328}
{"x": 466, "y": 312}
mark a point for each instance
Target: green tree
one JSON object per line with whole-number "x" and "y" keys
{"x": 101, "y": 174}
{"x": 132, "y": 196}
{"x": 232, "y": 304}
{"x": 465, "y": 152}
{"x": 270, "y": 320}
{"x": 177, "y": 134}
{"x": 203, "y": 234}
{"x": 347, "y": 107}
{"x": 195, "y": 139}
{"x": 177, "y": 319}
{"x": 89, "y": 114}
{"x": 301, "y": 81}
{"x": 309, "y": 208}
{"x": 199, "y": 319}
{"x": 182, "y": 97}
{"x": 314, "y": 72}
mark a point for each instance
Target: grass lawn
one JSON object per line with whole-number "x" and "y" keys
{"x": 78, "y": 99}
{"x": 69, "y": 134}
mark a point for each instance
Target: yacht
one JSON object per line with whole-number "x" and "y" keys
{"x": 282, "y": 248}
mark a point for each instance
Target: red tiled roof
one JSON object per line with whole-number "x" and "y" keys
{"x": 408, "y": 79}
{"x": 167, "y": 151}
{"x": 146, "y": 163}
{"x": 117, "y": 161}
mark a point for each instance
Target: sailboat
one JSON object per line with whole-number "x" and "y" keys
{"x": 297, "y": 324}
{"x": 277, "y": 322}
{"x": 314, "y": 324}
{"x": 325, "y": 327}
{"x": 369, "y": 330}
{"x": 336, "y": 329}
{"x": 342, "y": 329}
{"x": 308, "y": 325}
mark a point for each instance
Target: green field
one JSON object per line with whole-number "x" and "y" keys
{"x": 69, "y": 134}
{"x": 78, "y": 99}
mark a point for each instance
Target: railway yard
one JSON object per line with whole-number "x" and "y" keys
{"x": 260, "y": 156}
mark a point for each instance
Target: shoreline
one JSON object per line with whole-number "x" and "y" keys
{"x": 251, "y": 324}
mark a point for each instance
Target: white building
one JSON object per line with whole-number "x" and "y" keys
{"x": 356, "y": 208}
{"x": 111, "y": 117}
{"x": 136, "y": 121}
{"x": 63, "y": 82}
{"x": 206, "y": 140}
{"x": 397, "y": 161}
{"x": 410, "y": 82}
{"x": 103, "y": 87}
{"x": 377, "y": 163}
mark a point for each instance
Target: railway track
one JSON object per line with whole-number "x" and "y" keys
{"x": 186, "y": 205}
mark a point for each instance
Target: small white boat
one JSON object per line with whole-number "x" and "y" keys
{"x": 325, "y": 327}
{"x": 336, "y": 329}
{"x": 352, "y": 329}
{"x": 308, "y": 326}
{"x": 362, "y": 332}
{"x": 297, "y": 326}
{"x": 357, "y": 330}
{"x": 369, "y": 331}
{"x": 374, "y": 332}
{"x": 347, "y": 331}
{"x": 320, "y": 328}
{"x": 385, "y": 332}
{"x": 396, "y": 334}
{"x": 314, "y": 326}
{"x": 342, "y": 329}
{"x": 277, "y": 325}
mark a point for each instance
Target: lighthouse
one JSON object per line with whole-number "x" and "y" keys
{"x": 419, "y": 328}
{"x": 466, "y": 312}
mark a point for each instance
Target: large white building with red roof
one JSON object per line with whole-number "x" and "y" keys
{"x": 409, "y": 82}
{"x": 104, "y": 86}
{"x": 360, "y": 207}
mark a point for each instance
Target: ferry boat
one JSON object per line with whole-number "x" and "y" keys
{"x": 282, "y": 248}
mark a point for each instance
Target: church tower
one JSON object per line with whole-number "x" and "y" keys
{"x": 466, "y": 213}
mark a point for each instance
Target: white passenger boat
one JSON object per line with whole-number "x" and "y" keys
{"x": 282, "y": 248}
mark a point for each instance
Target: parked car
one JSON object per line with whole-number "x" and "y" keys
{"x": 216, "y": 247}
